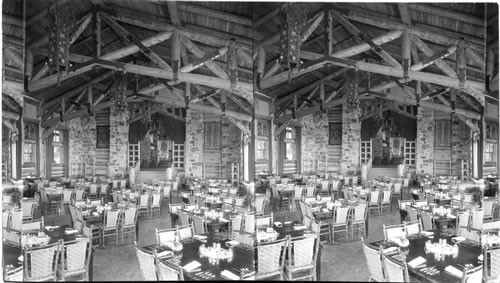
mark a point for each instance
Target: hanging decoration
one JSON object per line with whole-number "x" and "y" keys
{"x": 59, "y": 24}
{"x": 232, "y": 64}
{"x": 352, "y": 81}
{"x": 379, "y": 115}
{"x": 119, "y": 92}
{"x": 292, "y": 22}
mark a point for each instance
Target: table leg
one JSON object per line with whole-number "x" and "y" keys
{"x": 91, "y": 265}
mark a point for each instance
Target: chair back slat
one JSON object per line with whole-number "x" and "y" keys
{"x": 303, "y": 251}
{"x": 147, "y": 265}
{"x": 111, "y": 218}
{"x": 130, "y": 216}
{"x": 374, "y": 263}
{"x": 269, "y": 256}
{"x": 185, "y": 232}
{"x": 40, "y": 263}
{"x": 199, "y": 225}
{"x": 395, "y": 272}
{"x": 168, "y": 273}
{"x": 165, "y": 235}
{"x": 249, "y": 220}
{"x": 75, "y": 256}
{"x": 359, "y": 212}
{"x": 236, "y": 223}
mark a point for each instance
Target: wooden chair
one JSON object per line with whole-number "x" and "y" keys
{"x": 427, "y": 221}
{"x": 168, "y": 272}
{"x": 310, "y": 189}
{"x": 340, "y": 216}
{"x": 129, "y": 222}
{"x": 270, "y": 259}
{"x": 393, "y": 231}
{"x": 358, "y": 221}
{"x": 110, "y": 225}
{"x": 386, "y": 200}
{"x": 249, "y": 224}
{"x": 374, "y": 262}
{"x": 239, "y": 201}
{"x": 491, "y": 259}
{"x": 185, "y": 232}
{"x": 143, "y": 206}
{"x": 155, "y": 204}
{"x": 93, "y": 193}
{"x": 79, "y": 195}
{"x": 259, "y": 204}
{"x": 373, "y": 201}
{"x": 472, "y": 275}
{"x": 40, "y": 263}
{"x": 28, "y": 207}
{"x": 183, "y": 217}
{"x": 75, "y": 257}
{"x": 123, "y": 184}
{"x": 67, "y": 197}
{"x": 335, "y": 188}
{"x": 413, "y": 228}
{"x": 488, "y": 208}
{"x": 146, "y": 264}
{"x": 395, "y": 271}
{"x": 235, "y": 224}
{"x": 302, "y": 255}
{"x": 412, "y": 213}
{"x": 325, "y": 189}
{"x": 174, "y": 212}
{"x": 397, "y": 190}
{"x": 199, "y": 224}
{"x": 164, "y": 236}
{"x": 264, "y": 220}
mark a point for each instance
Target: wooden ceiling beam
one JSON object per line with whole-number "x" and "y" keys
{"x": 436, "y": 35}
{"x": 14, "y": 56}
{"x": 40, "y": 15}
{"x": 404, "y": 13}
{"x": 309, "y": 110}
{"x": 242, "y": 104}
{"x": 196, "y": 51}
{"x": 243, "y": 89}
{"x": 76, "y": 90}
{"x": 174, "y": 13}
{"x": 311, "y": 86}
{"x": 352, "y": 29}
{"x": 404, "y": 113}
{"x": 267, "y": 17}
{"x": 152, "y": 22}
{"x": 11, "y": 20}
{"x": 203, "y": 95}
{"x": 466, "y": 121}
{"x": 429, "y": 53}
{"x": 123, "y": 33}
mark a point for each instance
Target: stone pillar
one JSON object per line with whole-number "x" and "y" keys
{"x": 314, "y": 140}
{"x": 425, "y": 141}
{"x": 461, "y": 140}
{"x": 351, "y": 139}
{"x": 118, "y": 143}
{"x": 82, "y": 142}
{"x": 194, "y": 143}
{"x": 230, "y": 144}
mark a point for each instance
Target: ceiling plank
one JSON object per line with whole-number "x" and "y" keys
{"x": 309, "y": 110}
{"x": 447, "y": 13}
{"x": 174, "y": 12}
{"x": 267, "y": 17}
{"x": 404, "y": 13}
{"x": 215, "y": 14}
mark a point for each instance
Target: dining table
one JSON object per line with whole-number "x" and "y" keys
{"x": 242, "y": 260}
{"x": 11, "y": 253}
{"x": 431, "y": 269}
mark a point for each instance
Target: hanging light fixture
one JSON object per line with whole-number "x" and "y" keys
{"x": 352, "y": 81}
{"x": 292, "y": 22}
{"x": 60, "y": 18}
{"x": 119, "y": 92}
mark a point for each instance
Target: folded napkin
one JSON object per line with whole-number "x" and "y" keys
{"x": 480, "y": 258}
{"x": 200, "y": 237}
{"x": 416, "y": 262}
{"x": 428, "y": 233}
{"x": 458, "y": 239}
{"x": 232, "y": 243}
{"x": 70, "y": 232}
{"x": 454, "y": 271}
{"x": 20, "y": 258}
{"x": 299, "y": 227}
{"x": 229, "y": 275}
{"x": 223, "y": 220}
{"x": 191, "y": 266}
{"x": 390, "y": 250}
{"x": 452, "y": 216}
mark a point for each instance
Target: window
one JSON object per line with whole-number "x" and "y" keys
{"x": 58, "y": 147}
{"x": 212, "y": 135}
{"x": 30, "y": 131}
{"x": 290, "y": 148}
{"x": 443, "y": 133}
{"x": 29, "y": 155}
{"x": 262, "y": 141}
{"x": 491, "y": 131}
{"x": 489, "y": 152}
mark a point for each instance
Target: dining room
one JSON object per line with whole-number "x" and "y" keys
{"x": 175, "y": 140}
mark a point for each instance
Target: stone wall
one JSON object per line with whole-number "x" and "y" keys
{"x": 314, "y": 139}
{"x": 425, "y": 141}
{"x": 351, "y": 139}
{"x": 118, "y": 142}
{"x": 194, "y": 143}
{"x": 82, "y": 143}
